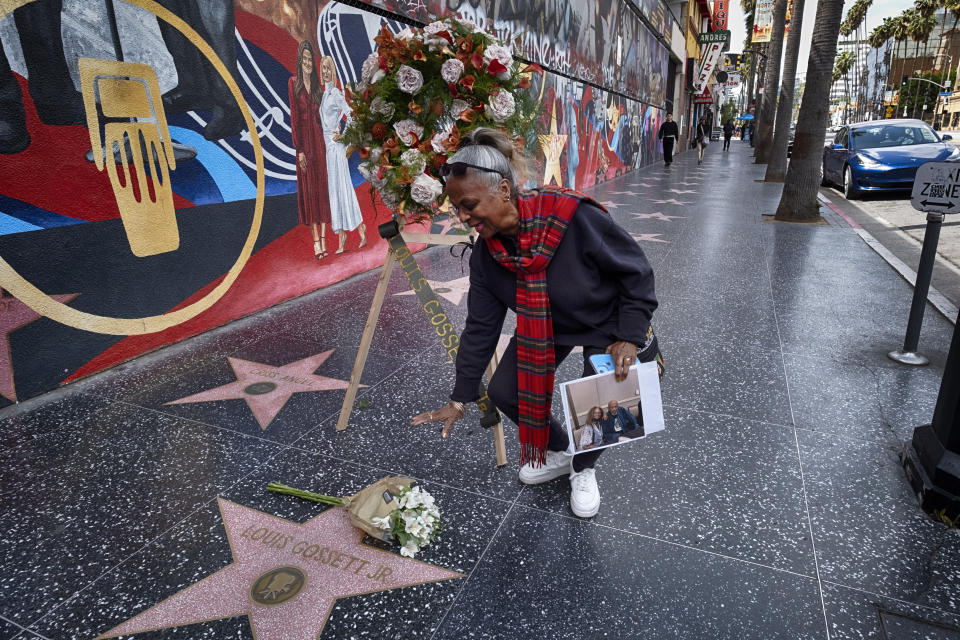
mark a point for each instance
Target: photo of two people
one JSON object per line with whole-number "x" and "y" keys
{"x": 601, "y": 412}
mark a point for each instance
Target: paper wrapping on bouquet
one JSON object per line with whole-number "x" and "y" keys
{"x": 376, "y": 501}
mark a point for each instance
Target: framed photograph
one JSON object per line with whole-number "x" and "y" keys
{"x": 600, "y": 412}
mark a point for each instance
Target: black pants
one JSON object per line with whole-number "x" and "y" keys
{"x": 668, "y": 150}
{"x": 503, "y": 391}
{"x": 726, "y": 142}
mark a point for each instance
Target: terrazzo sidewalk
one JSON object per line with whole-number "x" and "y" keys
{"x": 772, "y": 506}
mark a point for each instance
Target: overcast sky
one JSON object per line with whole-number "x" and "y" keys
{"x": 878, "y": 11}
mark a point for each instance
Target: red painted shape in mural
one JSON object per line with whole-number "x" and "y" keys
{"x": 279, "y": 44}
{"x": 266, "y": 388}
{"x": 285, "y": 577}
{"x": 13, "y": 315}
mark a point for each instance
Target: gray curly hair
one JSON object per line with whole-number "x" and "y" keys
{"x": 492, "y": 149}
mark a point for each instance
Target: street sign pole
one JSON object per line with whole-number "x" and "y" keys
{"x": 928, "y": 255}
{"x": 936, "y": 191}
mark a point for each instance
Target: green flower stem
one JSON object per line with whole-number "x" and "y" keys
{"x": 283, "y": 489}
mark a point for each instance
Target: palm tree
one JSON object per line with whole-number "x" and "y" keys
{"x": 900, "y": 32}
{"x": 777, "y": 166}
{"x": 841, "y": 69}
{"x": 771, "y": 81}
{"x": 921, "y": 26}
{"x": 877, "y": 39}
{"x": 798, "y": 201}
{"x": 853, "y": 23}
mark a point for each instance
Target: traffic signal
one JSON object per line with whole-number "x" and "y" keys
{"x": 903, "y": 81}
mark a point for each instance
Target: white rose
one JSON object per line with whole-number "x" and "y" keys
{"x": 406, "y": 34}
{"x": 439, "y": 140}
{"x": 406, "y": 129}
{"x": 377, "y": 76}
{"x": 371, "y": 64}
{"x": 431, "y": 38}
{"x": 457, "y": 107}
{"x": 409, "y": 80}
{"x": 417, "y": 163}
{"x": 382, "y": 107}
{"x": 501, "y": 55}
{"x": 501, "y": 106}
{"x": 425, "y": 189}
{"x": 451, "y": 70}
{"x": 410, "y": 549}
{"x": 390, "y": 198}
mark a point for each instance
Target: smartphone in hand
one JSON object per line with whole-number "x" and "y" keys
{"x": 601, "y": 362}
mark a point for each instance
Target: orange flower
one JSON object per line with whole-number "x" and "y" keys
{"x": 453, "y": 140}
{"x": 391, "y": 146}
{"x": 415, "y": 108}
{"x": 524, "y": 83}
{"x": 419, "y": 56}
{"x": 425, "y": 147}
{"x": 363, "y": 152}
{"x": 464, "y": 45}
{"x": 468, "y": 115}
{"x": 476, "y": 60}
{"x": 533, "y": 67}
{"x": 467, "y": 82}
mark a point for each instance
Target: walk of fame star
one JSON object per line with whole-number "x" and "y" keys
{"x": 452, "y": 290}
{"x": 609, "y": 204}
{"x": 648, "y": 237}
{"x": 682, "y": 190}
{"x": 266, "y": 388}
{"x": 669, "y": 201}
{"x": 655, "y": 215}
{"x": 285, "y": 577}
{"x": 13, "y": 315}
{"x": 624, "y": 193}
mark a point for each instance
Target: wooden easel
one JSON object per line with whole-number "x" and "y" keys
{"x": 397, "y": 239}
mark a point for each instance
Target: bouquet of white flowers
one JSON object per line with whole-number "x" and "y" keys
{"x": 390, "y": 510}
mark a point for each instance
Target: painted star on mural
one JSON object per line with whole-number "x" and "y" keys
{"x": 669, "y": 201}
{"x": 452, "y": 290}
{"x": 266, "y": 388}
{"x": 648, "y": 237}
{"x": 552, "y": 146}
{"x": 656, "y": 215}
{"x": 13, "y": 315}
{"x": 285, "y": 577}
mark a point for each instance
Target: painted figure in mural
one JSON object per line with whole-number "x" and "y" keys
{"x": 669, "y": 134}
{"x": 344, "y": 209}
{"x": 587, "y": 283}
{"x": 199, "y": 85}
{"x": 573, "y": 141}
{"x": 313, "y": 199}
{"x": 54, "y": 95}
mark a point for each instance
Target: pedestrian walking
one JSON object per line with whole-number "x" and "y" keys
{"x": 727, "y": 134}
{"x": 669, "y": 133}
{"x": 702, "y": 138}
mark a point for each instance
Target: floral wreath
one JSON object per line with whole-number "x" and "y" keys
{"x": 419, "y": 93}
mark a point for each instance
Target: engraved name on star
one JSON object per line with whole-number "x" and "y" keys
{"x": 452, "y": 290}
{"x": 285, "y": 577}
{"x": 266, "y": 388}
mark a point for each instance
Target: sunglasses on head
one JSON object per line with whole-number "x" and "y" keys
{"x": 457, "y": 169}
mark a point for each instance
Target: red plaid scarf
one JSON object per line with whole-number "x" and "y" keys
{"x": 544, "y": 217}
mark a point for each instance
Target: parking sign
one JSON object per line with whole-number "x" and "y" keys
{"x": 936, "y": 188}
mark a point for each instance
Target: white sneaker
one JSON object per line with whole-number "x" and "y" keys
{"x": 584, "y": 493}
{"x": 557, "y": 464}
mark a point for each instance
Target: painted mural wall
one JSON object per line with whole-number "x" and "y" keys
{"x": 167, "y": 167}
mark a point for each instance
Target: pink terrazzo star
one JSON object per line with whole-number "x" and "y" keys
{"x": 13, "y": 315}
{"x": 285, "y": 577}
{"x": 266, "y": 388}
{"x": 647, "y": 237}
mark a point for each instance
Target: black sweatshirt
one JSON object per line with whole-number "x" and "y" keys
{"x": 668, "y": 129}
{"x": 599, "y": 283}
